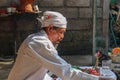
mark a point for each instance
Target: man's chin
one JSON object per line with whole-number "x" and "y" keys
{"x": 57, "y": 42}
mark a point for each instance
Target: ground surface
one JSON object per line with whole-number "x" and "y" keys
{"x": 5, "y": 67}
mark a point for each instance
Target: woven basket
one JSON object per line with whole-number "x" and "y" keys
{"x": 115, "y": 58}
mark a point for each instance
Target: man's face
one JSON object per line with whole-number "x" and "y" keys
{"x": 56, "y": 35}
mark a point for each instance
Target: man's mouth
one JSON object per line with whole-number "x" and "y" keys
{"x": 58, "y": 41}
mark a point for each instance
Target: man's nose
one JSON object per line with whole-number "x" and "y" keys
{"x": 62, "y": 36}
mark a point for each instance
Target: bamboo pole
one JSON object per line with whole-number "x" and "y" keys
{"x": 94, "y": 31}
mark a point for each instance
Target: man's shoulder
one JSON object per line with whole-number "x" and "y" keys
{"x": 37, "y": 36}
{"x": 41, "y": 33}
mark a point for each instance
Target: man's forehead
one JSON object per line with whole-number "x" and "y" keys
{"x": 62, "y": 29}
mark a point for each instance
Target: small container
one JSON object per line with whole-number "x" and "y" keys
{"x": 9, "y": 9}
{"x": 13, "y": 10}
{"x": 36, "y": 9}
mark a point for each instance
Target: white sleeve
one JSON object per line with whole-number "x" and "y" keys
{"x": 47, "y": 77}
{"x": 84, "y": 76}
{"x": 44, "y": 52}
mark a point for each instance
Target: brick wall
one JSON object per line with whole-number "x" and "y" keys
{"x": 78, "y": 38}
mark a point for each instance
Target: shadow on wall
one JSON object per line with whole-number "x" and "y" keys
{"x": 79, "y": 60}
{"x": 100, "y": 43}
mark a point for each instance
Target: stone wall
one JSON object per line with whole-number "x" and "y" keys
{"x": 78, "y": 39}
{"x": 79, "y": 35}
{"x": 14, "y": 29}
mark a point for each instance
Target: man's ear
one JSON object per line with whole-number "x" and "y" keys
{"x": 49, "y": 29}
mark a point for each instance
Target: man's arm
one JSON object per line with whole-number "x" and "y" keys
{"x": 46, "y": 54}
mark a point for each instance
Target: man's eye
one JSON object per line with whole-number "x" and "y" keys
{"x": 61, "y": 32}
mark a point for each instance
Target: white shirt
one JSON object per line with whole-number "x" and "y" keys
{"x": 37, "y": 55}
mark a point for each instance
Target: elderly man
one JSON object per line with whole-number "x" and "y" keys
{"x": 37, "y": 54}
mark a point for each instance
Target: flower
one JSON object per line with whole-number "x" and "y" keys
{"x": 92, "y": 71}
{"x": 98, "y": 54}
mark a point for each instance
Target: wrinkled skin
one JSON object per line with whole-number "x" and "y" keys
{"x": 55, "y": 35}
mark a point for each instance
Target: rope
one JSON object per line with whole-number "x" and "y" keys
{"x": 111, "y": 28}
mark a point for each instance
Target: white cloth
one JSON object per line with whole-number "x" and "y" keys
{"x": 107, "y": 74}
{"x": 47, "y": 77}
{"x": 53, "y": 18}
{"x": 37, "y": 55}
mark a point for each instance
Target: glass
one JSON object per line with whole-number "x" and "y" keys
{"x": 106, "y": 64}
{"x": 106, "y": 67}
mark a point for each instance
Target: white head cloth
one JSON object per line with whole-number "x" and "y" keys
{"x": 53, "y": 18}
